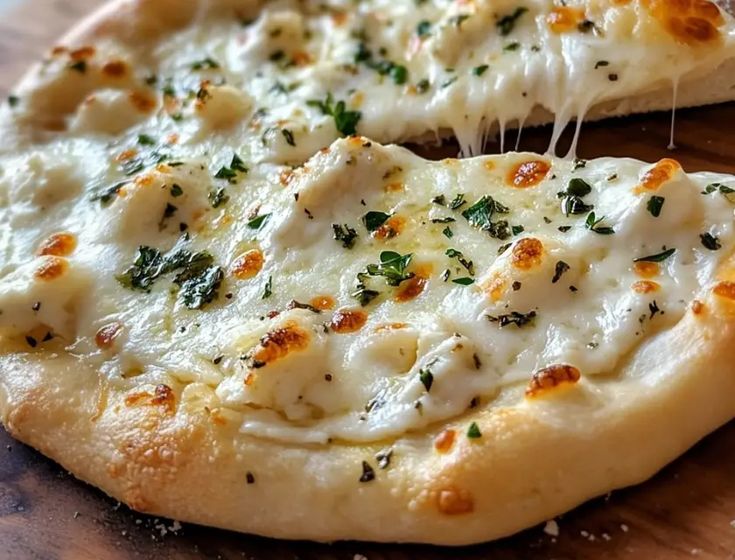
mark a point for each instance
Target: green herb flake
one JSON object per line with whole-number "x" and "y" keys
{"x": 658, "y": 257}
{"x": 374, "y": 219}
{"x": 176, "y": 190}
{"x": 473, "y": 432}
{"x": 724, "y": 190}
{"x": 423, "y": 29}
{"x": 511, "y": 47}
{"x": 654, "y": 205}
{"x": 106, "y": 194}
{"x": 268, "y": 289}
{"x": 593, "y": 224}
{"x": 13, "y": 100}
{"x": 480, "y": 70}
{"x": 507, "y": 23}
{"x": 79, "y": 66}
{"x": 146, "y": 140}
{"x": 468, "y": 265}
{"x": 422, "y": 86}
{"x": 205, "y": 64}
{"x": 345, "y": 235}
{"x": 560, "y": 268}
{"x": 392, "y": 267}
{"x": 512, "y": 318}
{"x": 345, "y": 121}
{"x": 448, "y": 233}
{"x": 258, "y": 221}
{"x": 710, "y": 241}
{"x": 288, "y": 135}
{"x": 426, "y": 378}
{"x": 218, "y": 197}
{"x": 465, "y": 281}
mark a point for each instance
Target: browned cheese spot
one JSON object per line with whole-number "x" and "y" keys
{"x": 551, "y": 377}
{"x": 115, "y": 68}
{"x": 322, "y": 303}
{"x": 348, "y": 321}
{"x": 528, "y": 174}
{"x": 691, "y": 22}
{"x": 646, "y": 269}
{"x": 725, "y": 290}
{"x": 105, "y": 337}
{"x": 454, "y": 501}
{"x": 280, "y": 343}
{"x": 527, "y": 253}
{"x": 51, "y": 268}
{"x": 659, "y": 174}
{"x": 58, "y": 244}
{"x": 645, "y": 286}
{"x": 563, "y": 19}
{"x": 697, "y": 307}
{"x": 248, "y": 264}
{"x": 142, "y": 101}
{"x": 444, "y": 441}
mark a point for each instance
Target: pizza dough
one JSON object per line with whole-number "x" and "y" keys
{"x": 214, "y": 311}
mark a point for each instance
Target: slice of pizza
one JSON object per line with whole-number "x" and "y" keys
{"x": 369, "y": 346}
{"x": 290, "y": 77}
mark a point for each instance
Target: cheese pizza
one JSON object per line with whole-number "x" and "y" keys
{"x": 215, "y": 309}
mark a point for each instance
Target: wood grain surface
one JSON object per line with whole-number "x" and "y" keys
{"x": 686, "y": 511}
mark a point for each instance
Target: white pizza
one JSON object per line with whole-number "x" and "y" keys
{"x": 215, "y": 309}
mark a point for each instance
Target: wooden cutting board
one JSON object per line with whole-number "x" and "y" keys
{"x": 686, "y": 511}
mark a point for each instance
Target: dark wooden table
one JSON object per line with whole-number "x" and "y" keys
{"x": 686, "y": 511}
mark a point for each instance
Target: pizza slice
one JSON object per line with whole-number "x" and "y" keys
{"x": 369, "y": 346}
{"x": 290, "y": 77}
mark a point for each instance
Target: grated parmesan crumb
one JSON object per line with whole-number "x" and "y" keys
{"x": 551, "y": 528}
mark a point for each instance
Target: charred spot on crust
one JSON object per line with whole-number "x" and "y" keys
{"x": 527, "y": 253}
{"x": 550, "y": 377}
{"x": 454, "y": 501}
{"x": 279, "y": 343}
{"x": 58, "y": 244}
{"x": 528, "y": 173}
{"x": 348, "y": 321}
{"x": 51, "y": 268}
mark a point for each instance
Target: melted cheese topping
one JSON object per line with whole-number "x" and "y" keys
{"x": 364, "y": 294}
{"x": 163, "y": 217}
{"x": 401, "y": 69}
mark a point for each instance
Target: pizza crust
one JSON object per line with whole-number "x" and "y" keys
{"x": 162, "y": 456}
{"x": 192, "y": 466}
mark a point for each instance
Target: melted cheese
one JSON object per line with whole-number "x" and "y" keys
{"x": 409, "y": 69}
{"x": 546, "y": 290}
{"x": 191, "y": 140}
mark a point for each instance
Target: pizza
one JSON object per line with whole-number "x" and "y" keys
{"x": 224, "y": 300}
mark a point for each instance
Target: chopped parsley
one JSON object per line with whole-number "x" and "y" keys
{"x": 724, "y": 190}
{"x": 480, "y": 70}
{"x": 197, "y": 276}
{"x": 426, "y": 378}
{"x": 448, "y": 233}
{"x": 592, "y": 223}
{"x": 710, "y": 241}
{"x": 473, "y": 432}
{"x": 507, "y": 23}
{"x": 146, "y": 140}
{"x": 362, "y": 293}
{"x": 422, "y": 86}
{"x": 345, "y": 121}
{"x": 105, "y": 195}
{"x": 423, "y": 29}
{"x": 80, "y": 66}
{"x": 288, "y": 135}
{"x": 658, "y": 257}
{"x": 176, "y": 190}
{"x": 392, "y": 267}
{"x": 571, "y": 198}
{"x": 560, "y": 268}
{"x": 13, "y": 100}
{"x": 268, "y": 289}
{"x": 345, "y": 235}
{"x": 454, "y": 254}
{"x": 512, "y": 318}
{"x": 511, "y": 47}
{"x": 374, "y": 219}
{"x": 368, "y": 473}
{"x": 480, "y": 213}
{"x": 205, "y": 64}
{"x": 654, "y": 205}
{"x": 465, "y": 281}
{"x": 218, "y": 197}
{"x": 230, "y": 173}
{"x": 258, "y": 221}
